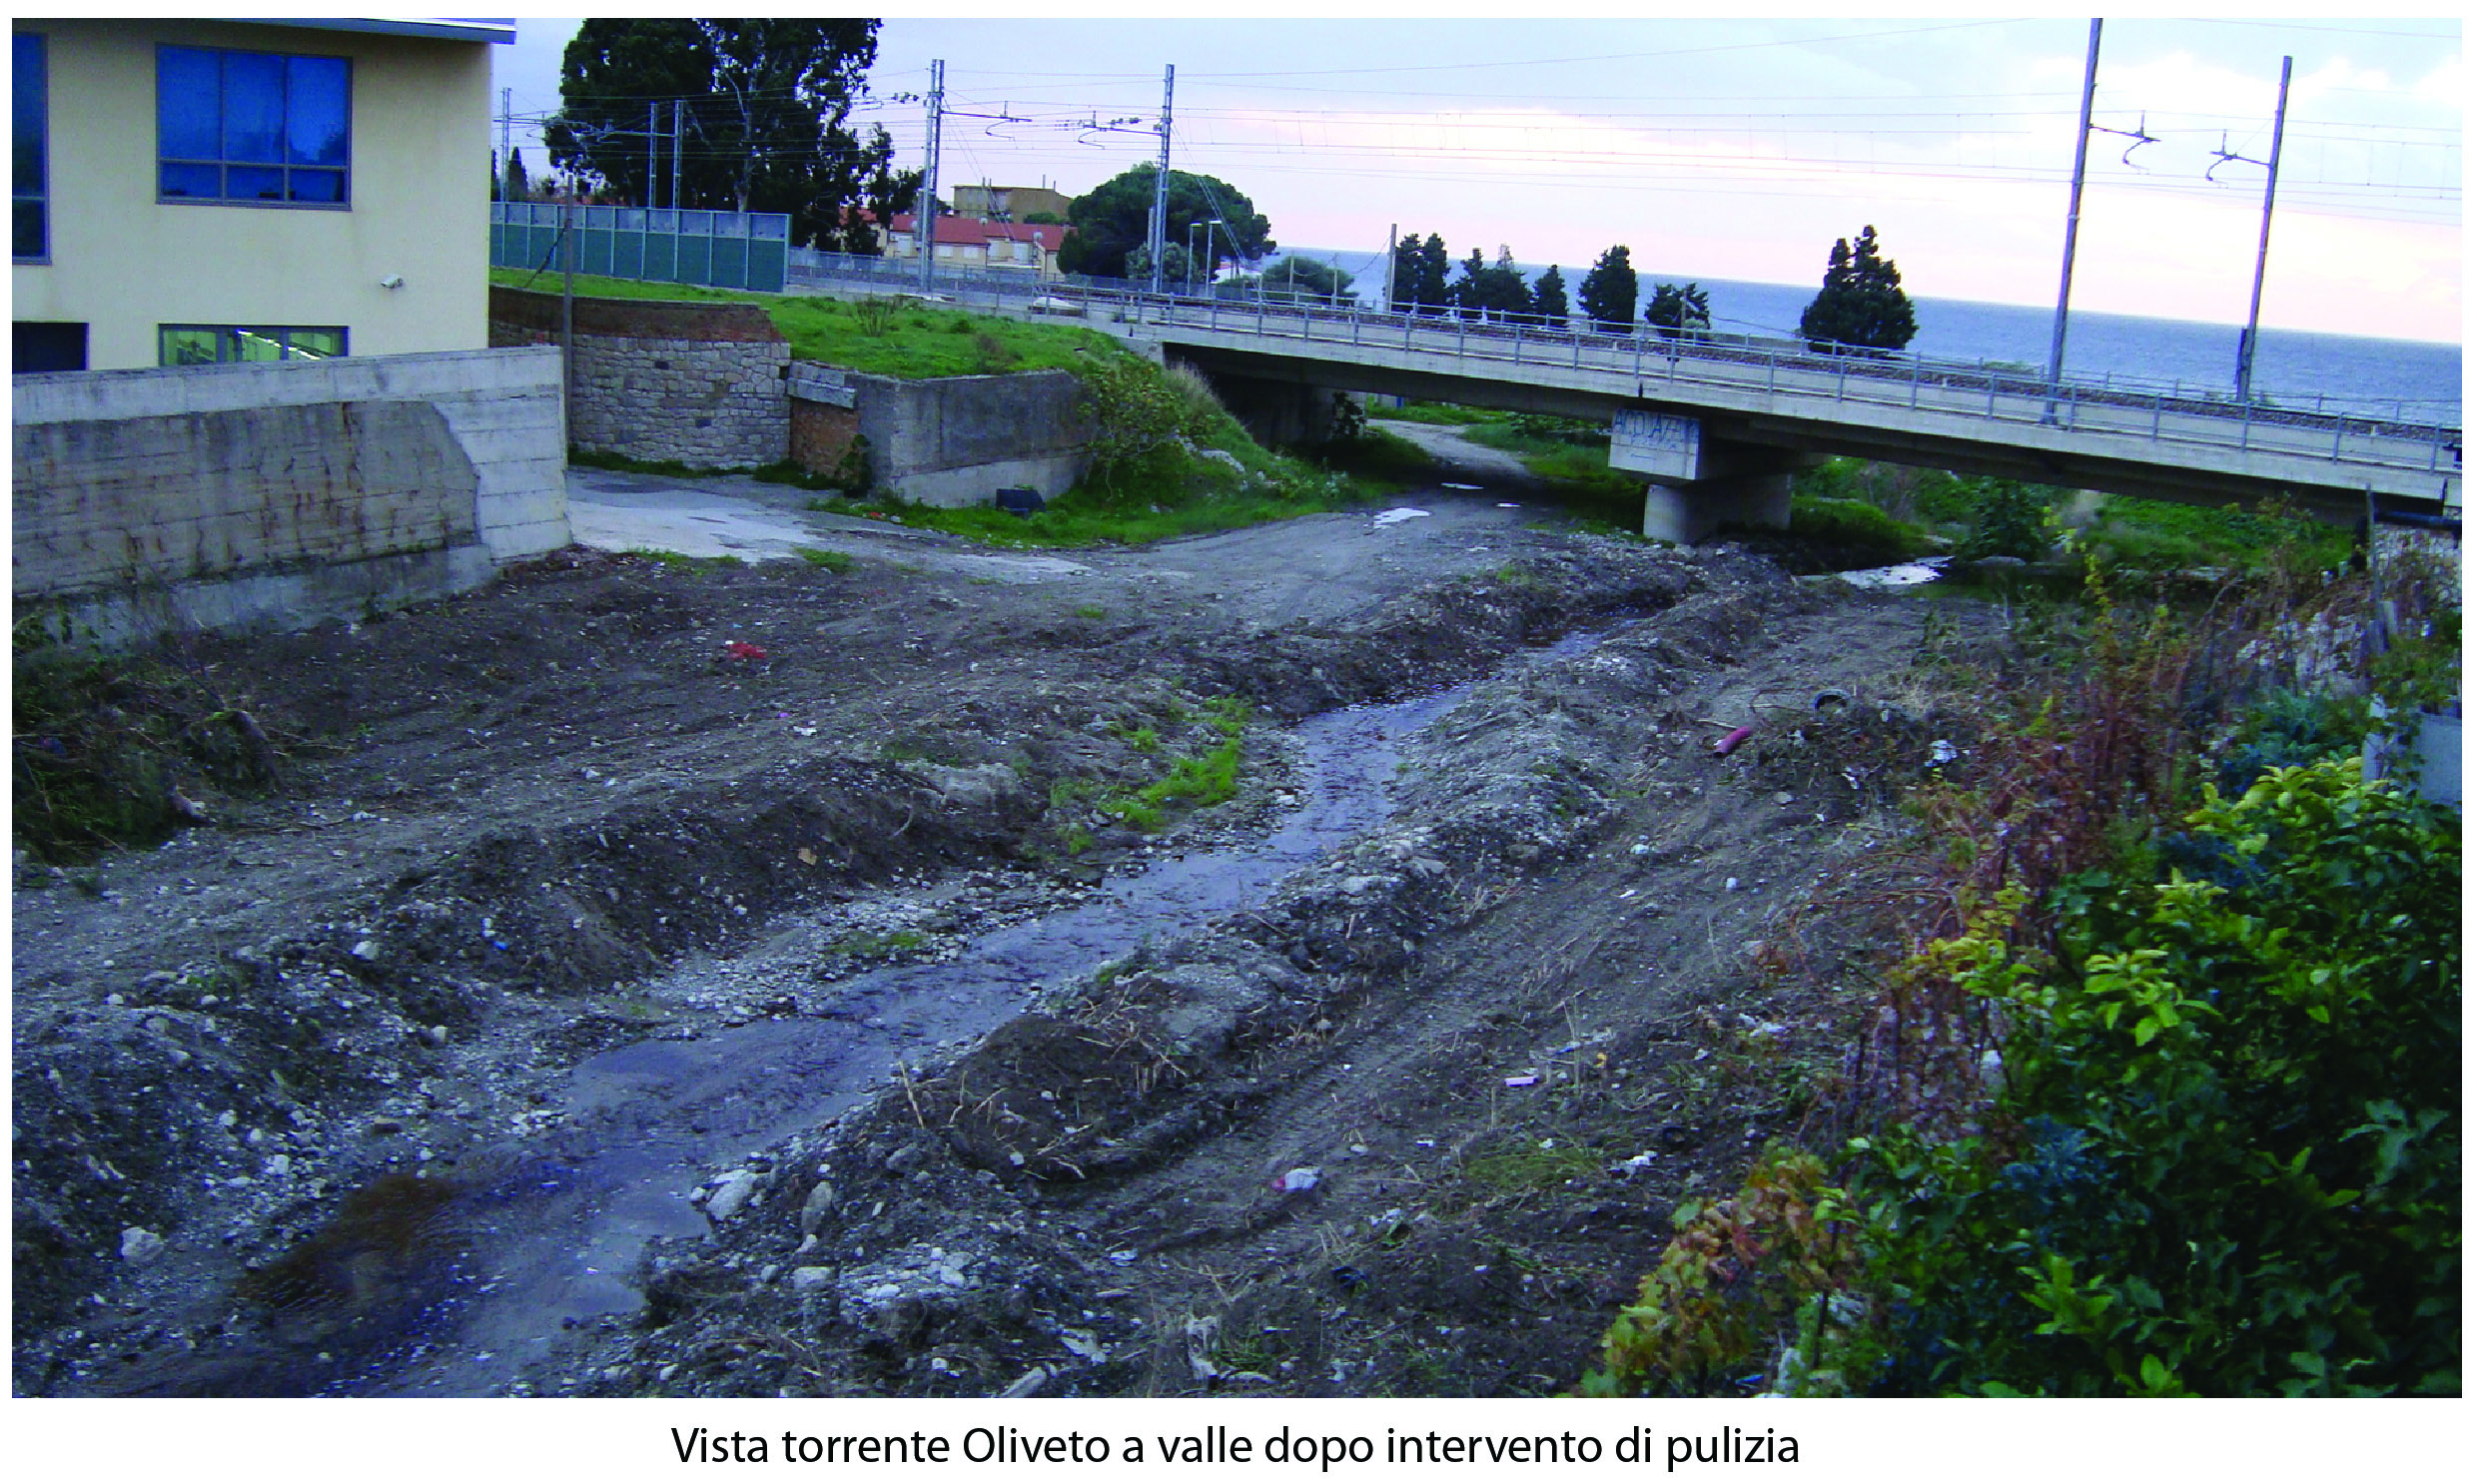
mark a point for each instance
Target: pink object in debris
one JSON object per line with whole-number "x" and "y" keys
{"x": 1525, "y": 1080}
{"x": 741, "y": 649}
{"x": 1301, "y": 1179}
{"x": 1729, "y": 744}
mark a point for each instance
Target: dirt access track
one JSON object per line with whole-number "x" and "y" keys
{"x": 599, "y": 1008}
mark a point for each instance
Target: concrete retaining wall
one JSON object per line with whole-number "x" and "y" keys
{"x": 698, "y": 384}
{"x": 954, "y": 441}
{"x": 237, "y": 497}
{"x": 713, "y": 385}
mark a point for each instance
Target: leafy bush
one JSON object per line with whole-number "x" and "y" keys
{"x": 1733, "y": 1281}
{"x": 2006, "y": 518}
{"x": 1859, "y": 531}
{"x": 2226, "y": 1160}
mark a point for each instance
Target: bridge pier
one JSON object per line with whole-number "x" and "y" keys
{"x": 1700, "y": 482}
{"x": 1690, "y": 511}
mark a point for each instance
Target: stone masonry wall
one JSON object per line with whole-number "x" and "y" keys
{"x": 656, "y": 379}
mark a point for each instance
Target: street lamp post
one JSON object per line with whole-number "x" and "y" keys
{"x": 1209, "y": 224}
{"x": 1191, "y": 256}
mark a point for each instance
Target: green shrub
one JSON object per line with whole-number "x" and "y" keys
{"x": 2226, "y": 1160}
{"x": 2006, "y": 518}
{"x": 1735, "y": 1279}
{"x": 109, "y": 751}
{"x": 1854, "y": 527}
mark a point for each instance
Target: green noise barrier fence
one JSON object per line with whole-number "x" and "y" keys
{"x": 720, "y": 250}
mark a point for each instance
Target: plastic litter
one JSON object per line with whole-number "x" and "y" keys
{"x": 1731, "y": 742}
{"x": 1289, "y": 1181}
{"x": 1527, "y": 1080}
{"x": 742, "y": 649}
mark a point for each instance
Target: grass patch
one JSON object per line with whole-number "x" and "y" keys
{"x": 1077, "y": 519}
{"x": 596, "y": 458}
{"x": 837, "y": 563}
{"x": 2005, "y": 518}
{"x": 1443, "y": 415}
{"x": 1570, "y": 460}
{"x": 2145, "y": 536}
{"x": 593, "y": 285}
{"x": 907, "y": 338}
{"x": 789, "y": 472}
{"x": 681, "y": 561}
{"x": 879, "y": 945}
{"x": 1195, "y": 781}
{"x": 1378, "y": 459}
{"x": 1544, "y": 1165}
{"x": 891, "y": 336}
{"x": 123, "y": 751}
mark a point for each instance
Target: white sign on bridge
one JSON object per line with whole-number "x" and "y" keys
{"x": 1646, "y": 442}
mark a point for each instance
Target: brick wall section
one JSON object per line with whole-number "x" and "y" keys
{"x": 698, "y": 384}
{"x": 821, "y": 434}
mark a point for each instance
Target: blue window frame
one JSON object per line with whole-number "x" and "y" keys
{"x": 208, "y": 345}
{"x": 29, "y": 207}
{"x": 260, "y": 128}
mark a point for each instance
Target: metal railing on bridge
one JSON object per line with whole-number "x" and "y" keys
{"x": 2391, "y": 434}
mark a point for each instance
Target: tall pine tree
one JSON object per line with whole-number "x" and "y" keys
{"x": 1548, "y": 303}
{"x": 1610, "y": 293}
{"x": 1420, "y": 273}
{"x": 1114, "y": 220}
{"x": 1679, "y": 313}
{"x": 1861, "y": 308}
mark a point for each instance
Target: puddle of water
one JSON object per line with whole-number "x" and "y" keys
{"x": 1906, "y": 574}
{"x": 645, "y": 1122}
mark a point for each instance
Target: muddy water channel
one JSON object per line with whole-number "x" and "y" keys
{"x": 552, "y": 1245}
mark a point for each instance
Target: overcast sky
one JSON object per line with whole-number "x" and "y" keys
{"x": 1739, "y": 149}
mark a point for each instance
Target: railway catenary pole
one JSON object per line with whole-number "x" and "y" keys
{"x": 2262, "y": 251}
{"x": 925, "y": 219}
{"x": 1156, "y": 238}
{"x": 2072, "y": 217}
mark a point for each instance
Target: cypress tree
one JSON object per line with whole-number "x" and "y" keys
{"x": 1548, "y": 300}
{"x": 1861, "y": 305}
{"x": 1610, "y": 293}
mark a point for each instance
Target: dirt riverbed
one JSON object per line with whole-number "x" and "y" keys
{"x": 323, "y": 1097}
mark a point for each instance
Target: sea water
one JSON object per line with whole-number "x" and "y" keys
{"x": 2414, "y": 380}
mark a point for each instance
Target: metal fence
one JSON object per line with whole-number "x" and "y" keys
{"x": 720, "y": 250}
{"x": 2391, "y": 434}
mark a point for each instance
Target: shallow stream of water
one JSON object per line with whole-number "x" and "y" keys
{"x": 645, "y": 1124}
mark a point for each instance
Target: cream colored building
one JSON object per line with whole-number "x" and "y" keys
{"x": 218, "y": 190}
{"x": 1010, "y": 203}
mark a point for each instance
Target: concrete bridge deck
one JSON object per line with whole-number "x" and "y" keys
{"x": 1742, "y": 403}
{"x": 1715, "y": 426}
